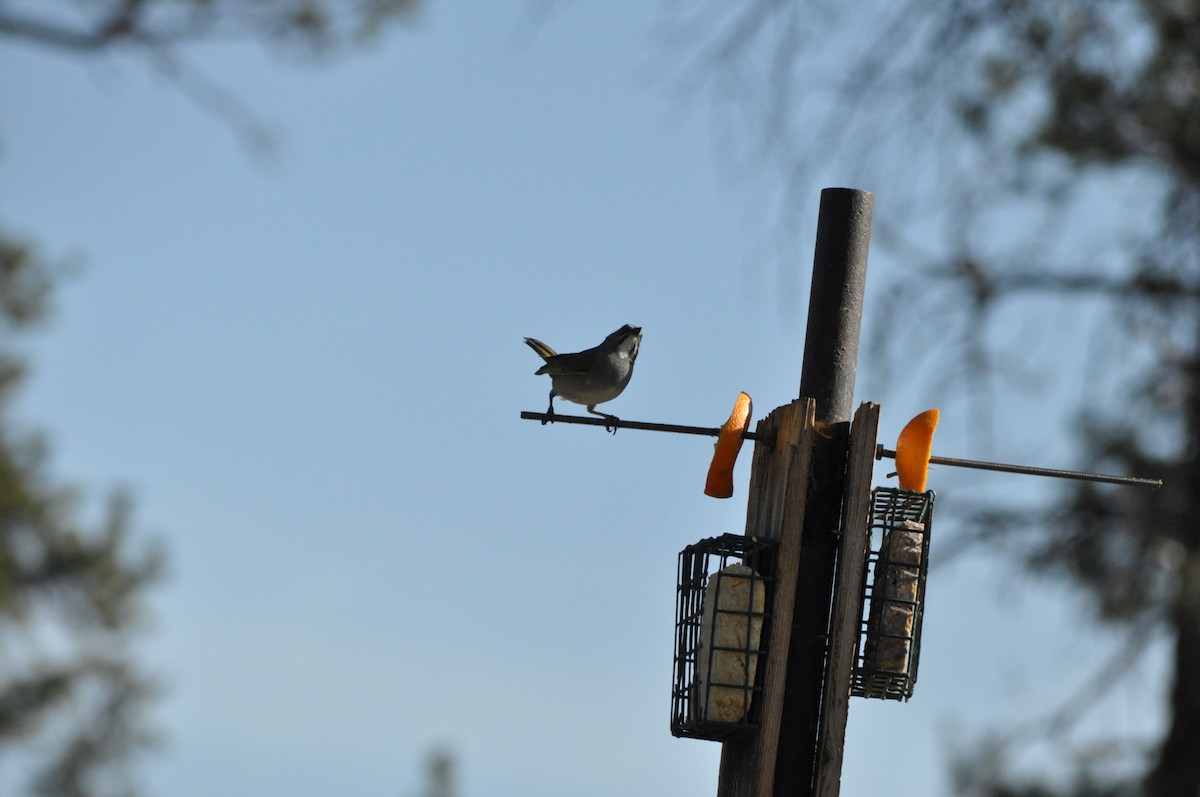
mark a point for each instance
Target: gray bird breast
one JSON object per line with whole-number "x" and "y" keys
{"x": 602, "y": 383}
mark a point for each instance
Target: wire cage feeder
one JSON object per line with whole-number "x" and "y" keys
{"x": 889, "y": 640}
{"x": 722, "y": 600}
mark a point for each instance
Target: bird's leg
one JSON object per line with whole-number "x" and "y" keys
{"x": 550, "y": 411}
{"x": 611, "y": 426}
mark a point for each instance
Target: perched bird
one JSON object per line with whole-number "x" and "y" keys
{"x": 593, "y": 376}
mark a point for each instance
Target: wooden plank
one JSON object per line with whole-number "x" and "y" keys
{"x": 789, "y": 526}
{"x": 778, "y": 494}
{"x": 796, "y": 766}
{"x": 847, "y": 600}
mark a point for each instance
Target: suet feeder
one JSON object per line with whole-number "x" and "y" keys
{"x": 889, "y": 641}
{"x": 723, "y": 595}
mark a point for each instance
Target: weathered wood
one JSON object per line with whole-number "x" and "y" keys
{"x": 795, "y": 769}
{"x": 847, "y": 600}
{"x": 778, "y": 494}
{"x": 835, "y": 301}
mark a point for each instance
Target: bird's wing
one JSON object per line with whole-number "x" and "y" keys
{"x": 563, "y": 364}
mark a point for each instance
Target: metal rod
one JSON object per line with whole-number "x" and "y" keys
{"x": 1154, "y": 484}
{"x": 617, "y": 423}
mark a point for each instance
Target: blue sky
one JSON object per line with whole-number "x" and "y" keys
{"x": 308, "y": 371}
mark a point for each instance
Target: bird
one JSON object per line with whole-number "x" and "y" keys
{"x": 592, "y": 376}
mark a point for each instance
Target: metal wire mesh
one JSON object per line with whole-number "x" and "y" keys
{"x": 722, "y": 600}
{"x": 889, "y": 641}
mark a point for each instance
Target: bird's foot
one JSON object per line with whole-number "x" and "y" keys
{"x": 549, "y": 416}
{"x": 610, "y": 421}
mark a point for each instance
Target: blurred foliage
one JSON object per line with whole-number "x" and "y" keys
{"x": 1119, "y": 84}
{"x": 71, "y": 595}
{"x": 158, "y": 33}
{"x": 314, "y": 26}
{"x": 439, "y": 770}
{"x": 985, "y": 773}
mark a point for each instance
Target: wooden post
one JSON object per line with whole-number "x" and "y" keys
{"x": 835, "y": 302}
{"x": 796, "y": 496}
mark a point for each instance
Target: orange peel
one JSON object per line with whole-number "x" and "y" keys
{"x": 729, "y": 442}
{"x": 913, "y": 449}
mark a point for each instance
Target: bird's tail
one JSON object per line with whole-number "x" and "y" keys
{"x": 543, "y": 351}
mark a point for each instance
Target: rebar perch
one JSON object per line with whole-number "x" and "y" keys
{"x": 617, "y": 423}
{"x": 880, "y": 451}
{"x": 1154, "y": 484}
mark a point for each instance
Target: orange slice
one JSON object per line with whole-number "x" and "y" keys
{"x": 913, "y": 449}
{"x": 729, "y": 443}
